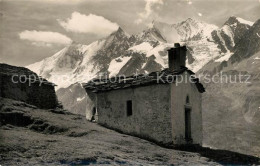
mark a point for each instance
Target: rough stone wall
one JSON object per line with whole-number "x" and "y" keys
{"x": 151, "y": 118}
{"x": 179, "y": 93}
{"x": 41, "y": 96}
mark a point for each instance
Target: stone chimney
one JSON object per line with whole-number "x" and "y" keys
{"x": 176, "y": 57}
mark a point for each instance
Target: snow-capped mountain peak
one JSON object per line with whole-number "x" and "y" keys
{"x": 115, "y": 36}
{"x": 192, "y": 29}
{"x": 145, "y": 52}
{"x": 167, "y": 31}
{"x": 119, "y": 33}
{"x": 152, "y": 35}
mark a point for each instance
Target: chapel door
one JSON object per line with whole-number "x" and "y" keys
{"x": 188, "y": 124}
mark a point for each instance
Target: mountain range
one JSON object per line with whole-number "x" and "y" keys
{"x": 231, "y": 48}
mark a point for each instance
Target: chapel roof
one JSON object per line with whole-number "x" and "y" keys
{"x": 165, "y": 77}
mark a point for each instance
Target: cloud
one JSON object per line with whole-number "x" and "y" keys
{"x": 44, "y": 38}
{"x": 91, "y": 23}
{"x": 148, "y": 10}
{"x": 199, "y": 14}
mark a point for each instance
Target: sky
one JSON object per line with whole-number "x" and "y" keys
{"x": 31, "y": 30}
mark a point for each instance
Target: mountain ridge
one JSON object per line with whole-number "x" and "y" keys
{"x": 100, "y": 54}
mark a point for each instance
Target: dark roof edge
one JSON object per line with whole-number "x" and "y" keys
{"x": 100, "y": 85}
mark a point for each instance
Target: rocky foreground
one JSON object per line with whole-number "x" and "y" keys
{"x": 32, "y": 136}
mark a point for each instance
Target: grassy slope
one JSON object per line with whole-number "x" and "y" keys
{"x": 49, "y": 137}
{"x": 30, "y": 136}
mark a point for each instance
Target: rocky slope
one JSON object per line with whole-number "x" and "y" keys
{"x": 20, "y": 83}
{"x": 244, "y": 47}
{"x": 75, "y": 97}
{"x": 55, "y": 137}
{"x": 231, "y": 109}
{"x": 248, "y": 45}
{"x": 231, "y": 33}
